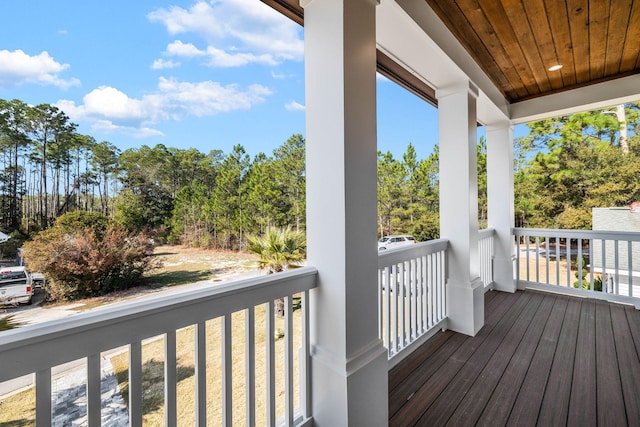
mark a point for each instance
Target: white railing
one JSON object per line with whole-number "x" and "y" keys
{"x": 39, "y": 348}
{"x": 411, "y": 285}
{"x": 486, "y": 253}
{"x": 599, "y": 264}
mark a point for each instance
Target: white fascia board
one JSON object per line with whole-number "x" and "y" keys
{"x": 411, "y": 33}
{"x": 613, "y": 92}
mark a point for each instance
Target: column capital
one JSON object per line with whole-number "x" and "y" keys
{"x": 500, "y": 124}
{"x": 457, "y": 88}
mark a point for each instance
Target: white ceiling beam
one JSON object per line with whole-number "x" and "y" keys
{"x": 588, "y": 98}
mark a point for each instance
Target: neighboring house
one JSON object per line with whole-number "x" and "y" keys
{"x": 623, "y": 219}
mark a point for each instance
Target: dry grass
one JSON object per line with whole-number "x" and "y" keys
{"x": 153, "y": 372}
{"x": 19, "y": 409}
{"x": 180, "y": 265}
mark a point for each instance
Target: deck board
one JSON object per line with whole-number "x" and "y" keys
{"x": 541, "y": 359}
{"x": 469, "y": 409}
{"x": 413, "y": 362}
{"x": 528, "y": 401}
{"x": 628, "y": 358}
{"x": 583, "y": 402}
{"x": 634, "y": 327}
{"x": 610, "y": 407}
{"x": 428, "y": 391}
{"x": 498, "y": 408}
{"x": 472, "y": 360}
{"x": 420, "y": 371}
{"x": 555, "y": 402}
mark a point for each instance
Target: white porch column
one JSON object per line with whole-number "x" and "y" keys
{"x": 349, "y": 362}
{"x": 459, "y": 205}
{"x": 500, "y": 201}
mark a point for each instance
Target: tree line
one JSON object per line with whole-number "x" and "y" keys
{"x": 184, "y": 196}
{"x": 563, "y": 168}
{"x": 568, "y": 165}
{"x": 47, "y": 168}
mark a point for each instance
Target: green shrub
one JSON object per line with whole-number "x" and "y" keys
{"x": 427, "y": 228}
{"x": 85, "y": 262}
{"x": 586, "y": 282}
{"x": 80, "y": 220}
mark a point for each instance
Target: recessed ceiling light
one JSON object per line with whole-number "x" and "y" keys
{"x": 555, "y": 67}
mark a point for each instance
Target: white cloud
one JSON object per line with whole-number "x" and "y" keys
{"x": 294, "y": 106}
{"x": 237, "y": 32}
{"x": 200, "y": 18}
{"x": 110, "y": 110}
{"x": 163, "y": 64}
{"x": 188, "y": 50}
{"x": 17, "y": 67}
{"x": 220, "y": 58}
{"x": 217, "y": 57}
{"x": 207, "y": 98}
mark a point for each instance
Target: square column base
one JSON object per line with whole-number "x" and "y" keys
{"x": 465, "y": 306}
{"x": 351, "y": 394}
{"x": 503, "y": 279}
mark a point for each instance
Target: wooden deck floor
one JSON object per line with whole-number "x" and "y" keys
{"x": 541, "y": 359}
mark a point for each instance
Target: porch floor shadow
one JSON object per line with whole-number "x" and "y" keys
{"x": 541, "y": 359}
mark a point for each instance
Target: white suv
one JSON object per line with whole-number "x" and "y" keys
{"x": 390, "y": 242}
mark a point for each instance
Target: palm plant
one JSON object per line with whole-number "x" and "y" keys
{"x": 279, "y": 249}
{"x": 9, "y": 322}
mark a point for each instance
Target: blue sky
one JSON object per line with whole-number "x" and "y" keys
{"x": 203, "y": 74}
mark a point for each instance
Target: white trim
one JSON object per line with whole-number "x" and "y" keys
{"x": 354, "y": 363}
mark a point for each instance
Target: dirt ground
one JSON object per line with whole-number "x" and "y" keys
{"x": 216, "y": 263}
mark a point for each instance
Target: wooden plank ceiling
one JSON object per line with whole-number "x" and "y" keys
{"x": 515, "y": 42}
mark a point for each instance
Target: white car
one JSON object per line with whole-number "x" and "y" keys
{"x": 390, "y": 242}
{"x": 15, "y": 286}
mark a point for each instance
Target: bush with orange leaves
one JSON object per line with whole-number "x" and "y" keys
{"x": 88, "y": 261}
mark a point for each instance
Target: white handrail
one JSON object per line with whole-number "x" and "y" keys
{"x": 411, "y": 289}
{"x": 486, "y": 252}
{"x": 38, "y": 348}
{"x": 596, "y": 263}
